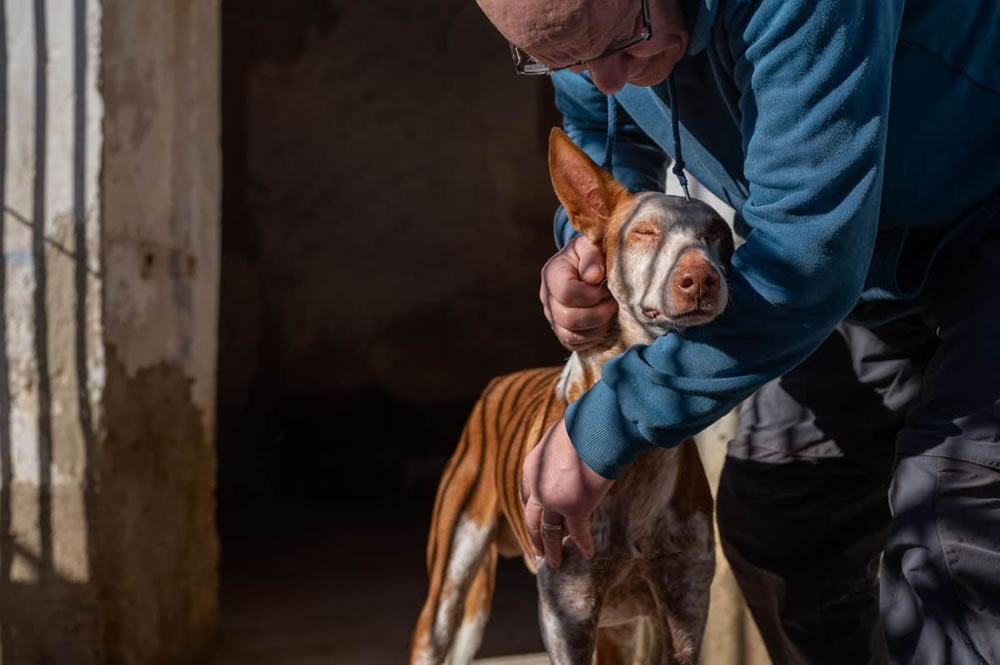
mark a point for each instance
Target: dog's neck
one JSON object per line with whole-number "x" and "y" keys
{"x": 583, "y": 369}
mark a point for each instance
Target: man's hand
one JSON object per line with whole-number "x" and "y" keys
{"x": 559, "y": 492}
{"x": 576, "y": 301}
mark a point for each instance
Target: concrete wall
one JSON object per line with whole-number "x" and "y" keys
{"x": 108, "y": 292}
{"x": 160, "y": 229}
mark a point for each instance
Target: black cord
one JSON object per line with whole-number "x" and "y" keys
{"x": 675, "y": 122}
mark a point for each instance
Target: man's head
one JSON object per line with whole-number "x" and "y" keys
{"x": 563, "y": 32}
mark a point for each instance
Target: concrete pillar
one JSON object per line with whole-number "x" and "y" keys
{"x": 108, "y": 290}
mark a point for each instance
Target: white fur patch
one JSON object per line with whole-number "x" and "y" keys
{"x": 468, "y": 544}
{"x": 571, "y": 369}
{"x": 467, "y": 640}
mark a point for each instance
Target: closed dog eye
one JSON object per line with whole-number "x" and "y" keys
{"x": 646, "y": 230}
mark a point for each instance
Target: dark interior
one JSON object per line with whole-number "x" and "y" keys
{"x": 386, "y": 210}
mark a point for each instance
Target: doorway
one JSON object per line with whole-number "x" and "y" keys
{"x": 386, "y": 209}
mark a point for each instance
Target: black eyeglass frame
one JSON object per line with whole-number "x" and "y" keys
{"x": 526, "y": 64}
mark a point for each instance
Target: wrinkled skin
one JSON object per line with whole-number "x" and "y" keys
{"x": 562, "y": 32}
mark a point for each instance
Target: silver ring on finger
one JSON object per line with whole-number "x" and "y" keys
{"x": 551, "y": 527}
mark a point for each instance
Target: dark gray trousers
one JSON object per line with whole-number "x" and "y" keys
{"x": 860, "y": 501}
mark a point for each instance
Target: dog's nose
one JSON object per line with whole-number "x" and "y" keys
{"x": 694, "y": 278}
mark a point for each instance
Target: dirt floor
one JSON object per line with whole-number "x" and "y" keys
{"x": 312, "y": 585}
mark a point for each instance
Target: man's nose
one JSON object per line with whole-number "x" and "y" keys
{"x": 610, "y": 73}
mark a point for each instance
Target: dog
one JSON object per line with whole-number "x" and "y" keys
{"x": 643, "y": 597}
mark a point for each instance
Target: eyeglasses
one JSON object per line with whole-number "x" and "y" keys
{"x": 527, "y": 65}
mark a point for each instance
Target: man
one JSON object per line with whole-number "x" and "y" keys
{"x": 859, "y": 143}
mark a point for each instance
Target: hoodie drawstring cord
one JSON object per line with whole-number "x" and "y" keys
{"x": 675, "y": 122}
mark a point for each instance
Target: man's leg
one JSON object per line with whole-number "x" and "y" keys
{"x": 940, "y": 583}
{"x": 802, "y": 502}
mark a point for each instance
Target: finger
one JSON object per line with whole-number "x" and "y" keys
{"x": 575, "y": 341}
{"x": 552, "y": 531}
{"x": 533, "y": 520}
{"x": 591, "y": 260}
{"x": 579, "y": 530}
{"x": 583, "y": 319}
{"x": 562, "y": 280}
{"x": 529, "y": 474}
{"x": 572, "y": 292}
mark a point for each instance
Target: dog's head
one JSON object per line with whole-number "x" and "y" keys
{"x": 666, "y": 256}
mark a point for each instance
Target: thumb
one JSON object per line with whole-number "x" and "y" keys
{"x": 579, "y": 530}
{"x": 591, "y": 264}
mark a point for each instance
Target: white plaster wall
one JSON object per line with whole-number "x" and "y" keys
{"x": 52, "y": 152}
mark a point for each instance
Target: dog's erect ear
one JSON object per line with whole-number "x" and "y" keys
{"x": 589, "y": 193}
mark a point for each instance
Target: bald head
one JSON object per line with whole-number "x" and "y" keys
{"x": 561, "y": 31}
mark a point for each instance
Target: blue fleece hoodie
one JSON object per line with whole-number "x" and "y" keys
{"x": 859, "y": 141}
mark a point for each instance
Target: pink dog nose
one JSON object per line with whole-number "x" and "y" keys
{"x": 694, "y": 280}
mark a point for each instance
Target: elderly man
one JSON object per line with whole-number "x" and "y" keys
{"x": 859, "y": 143}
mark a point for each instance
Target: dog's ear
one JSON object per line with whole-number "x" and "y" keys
{"x": 589, "y": 193}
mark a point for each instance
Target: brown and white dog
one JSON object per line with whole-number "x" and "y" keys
{"x": 643, "y": 597}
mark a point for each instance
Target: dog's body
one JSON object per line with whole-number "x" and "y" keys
{"x": 643, "y": 597}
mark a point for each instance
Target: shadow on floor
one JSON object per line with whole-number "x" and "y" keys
{"x": 305, "y": 584}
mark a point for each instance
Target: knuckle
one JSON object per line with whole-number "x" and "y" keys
{"x": 544, "y": 276}
{"x": 585, "y": 246}
{"x": 560, "y": 291}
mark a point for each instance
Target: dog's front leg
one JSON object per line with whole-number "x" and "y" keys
{"x": 569, "y": 605}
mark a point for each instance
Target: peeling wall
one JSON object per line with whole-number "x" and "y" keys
{"x": 158, "y": 549}
{"x": 160, "y": 230}
{"x": 110, "y": 157}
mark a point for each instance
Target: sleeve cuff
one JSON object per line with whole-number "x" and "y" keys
{"x": 605, "y": 440}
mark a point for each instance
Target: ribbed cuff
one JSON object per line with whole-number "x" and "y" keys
{"x": 603, "y": 438}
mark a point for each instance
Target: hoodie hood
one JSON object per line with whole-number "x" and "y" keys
{"x": 700, "y": 16}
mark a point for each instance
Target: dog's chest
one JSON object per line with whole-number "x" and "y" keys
{"x": 647, "y": 531}
{"x": 639, "y": 508}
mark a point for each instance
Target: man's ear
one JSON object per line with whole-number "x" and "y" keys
{"x": 589, "y": 193}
